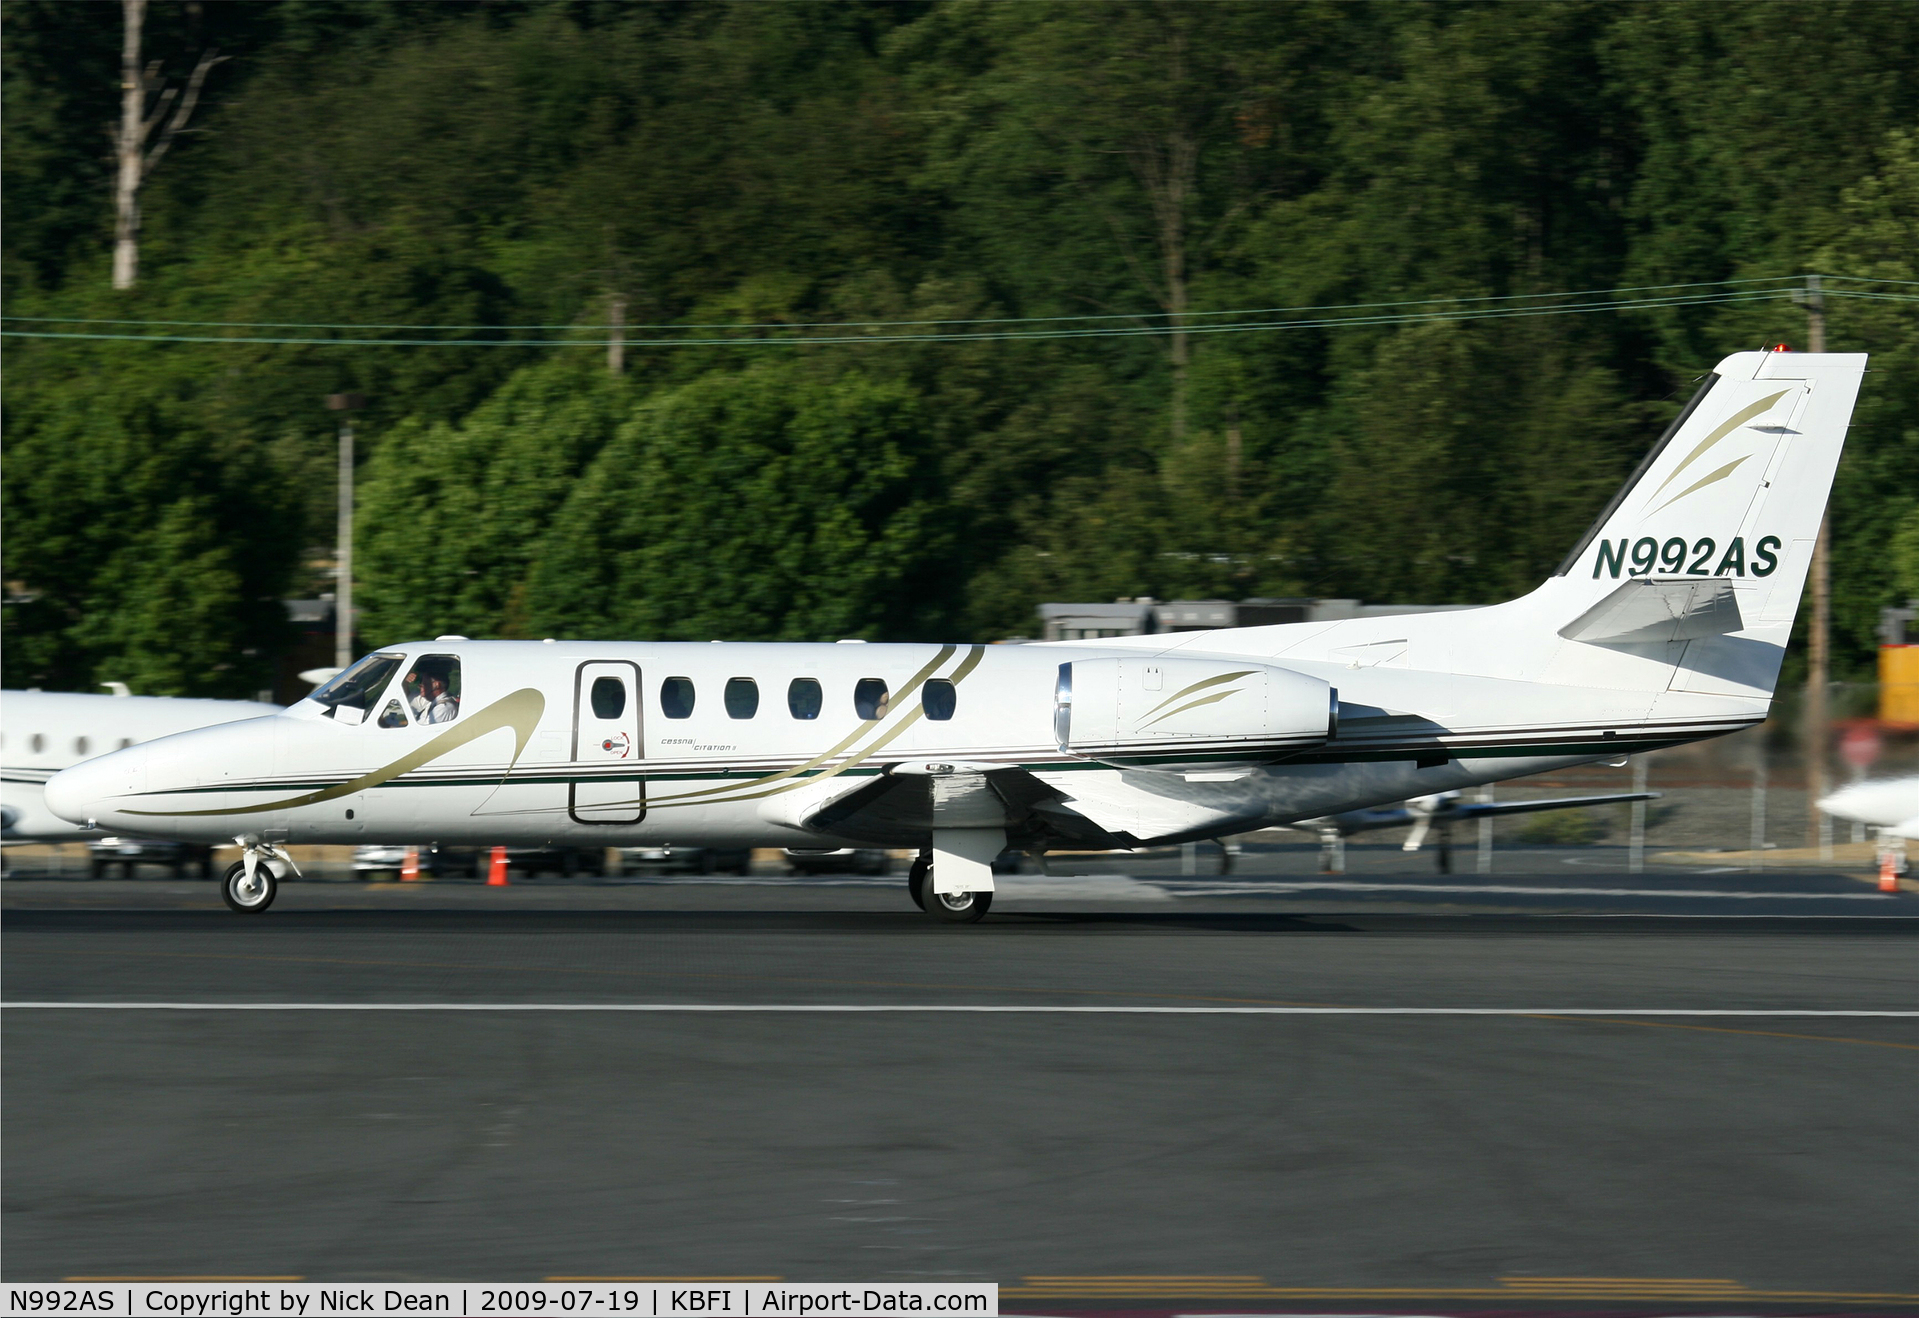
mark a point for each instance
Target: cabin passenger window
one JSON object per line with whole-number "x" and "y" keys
{"x": 676, "y": 697}
{"x": 938, "y": 699}
{"x": 359, "y": 686}
{"x": 803, "y": 697}
{"x": 36, "y": 743}
{"x": 79, "y": 745}
{"x": 742, "y": 697}
{"x": 125, "y": 742}
{"x": 432, "y": 688}
{"x": 608, "y": 697}
{"x": 869, "y": 698}
{"x": 393, "y": 716}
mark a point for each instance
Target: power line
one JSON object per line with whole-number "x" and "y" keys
{"x": 1163, "y": 330}
{"x": 852, "y": 325}
{"x": 1188, "y": 317}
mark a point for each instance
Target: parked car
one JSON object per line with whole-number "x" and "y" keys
{"x": 436, "y": 862}
{"x": 687, "y": 860}
{"x": 131, "y": 852}
{"x": 838, "y": 860}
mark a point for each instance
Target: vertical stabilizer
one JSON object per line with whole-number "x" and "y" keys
{"x": 1715, "y": 529}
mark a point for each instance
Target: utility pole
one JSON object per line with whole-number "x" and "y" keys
{"x": 616, "y": 335}
{"x": 1819, "y": 626}
{"x": 346, "y": 405}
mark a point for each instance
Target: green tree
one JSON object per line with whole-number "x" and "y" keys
{"x": 781, "y": 502}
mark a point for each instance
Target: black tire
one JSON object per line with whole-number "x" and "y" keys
{"x": 958, "y": 907}
{"x": 250, "y": 902}
{"x": 916, "y": 880}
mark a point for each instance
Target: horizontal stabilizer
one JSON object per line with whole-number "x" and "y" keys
{"x": 1650, "y": 610}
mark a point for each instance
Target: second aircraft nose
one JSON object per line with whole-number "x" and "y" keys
{"x": 90, "y": 789}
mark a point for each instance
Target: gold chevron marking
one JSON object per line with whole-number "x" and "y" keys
{"x": 744, "y": 791}
{"x": 1215, "y": 698}
{"x": 1719, "y": 475}
{"x": 1200, "y": 685}
{"x": 520, "y": 711}
{"x": 893, "y": 703}
{"x": 1724, "y": 428}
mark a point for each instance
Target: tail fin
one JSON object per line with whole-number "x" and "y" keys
{"x": 1709, "y": 543}
{"x": 1689, "y": 580}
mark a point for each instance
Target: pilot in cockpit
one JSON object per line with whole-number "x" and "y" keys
{"x": 429, "y": 695}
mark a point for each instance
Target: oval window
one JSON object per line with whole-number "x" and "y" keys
{"x": 742, "y": 697}
{"x": 36, "y": 743}
{"x": 676, "y": 697}
{"x": 609, "y": 698}
{"x": 938, "y": 699}
{"x": 869, "y": 698}
{"x": 125, "y": 742}
{"x": 79, "y": 745}
{"x": 803, "y": 697}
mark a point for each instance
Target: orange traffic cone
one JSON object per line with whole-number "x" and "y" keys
{"x": 410, "y": 866}
{"x": 496, "y": 872}
{"x": 1888, "y": 871}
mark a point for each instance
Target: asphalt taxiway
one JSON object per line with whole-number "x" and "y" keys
{"x": 772, "y": 1079}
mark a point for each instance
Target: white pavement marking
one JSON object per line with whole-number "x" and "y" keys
{"x": 826, "y": 1008}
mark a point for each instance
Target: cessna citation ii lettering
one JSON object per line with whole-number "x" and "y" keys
{"x": 1665, "y": 625}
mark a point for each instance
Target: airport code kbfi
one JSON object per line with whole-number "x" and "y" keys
{"x": 312, "y": 1299}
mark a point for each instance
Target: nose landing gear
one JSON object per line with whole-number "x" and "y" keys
{"x": 251, "y": 884}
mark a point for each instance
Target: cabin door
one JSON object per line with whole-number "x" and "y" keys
{"x": 606, "y": 784}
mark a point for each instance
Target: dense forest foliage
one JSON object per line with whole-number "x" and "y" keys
{"x": 956, "y": 170}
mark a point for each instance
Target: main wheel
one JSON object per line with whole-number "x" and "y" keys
{"x": 246, "y": 896}
{"x": 958, "y": 907}
{"x": 916, "y": 880}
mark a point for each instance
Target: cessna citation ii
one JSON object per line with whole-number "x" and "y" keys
{"x": 1666, "y": 624}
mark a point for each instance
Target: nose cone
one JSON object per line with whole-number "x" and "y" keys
{"x": 90, "y": 790}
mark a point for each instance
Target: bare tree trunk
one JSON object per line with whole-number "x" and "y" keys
{"x": 137, "y": 128}
{"x": 132, "y": 143}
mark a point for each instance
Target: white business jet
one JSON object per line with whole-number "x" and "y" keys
{"x": 43, "y": 732}
{"x": 1666, "y": 624}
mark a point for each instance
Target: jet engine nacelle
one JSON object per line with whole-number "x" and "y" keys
{"x": 1186, "y": 711}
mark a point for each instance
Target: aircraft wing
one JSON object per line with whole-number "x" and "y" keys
{"x": 1095, "y": 811}
{"x": 1481, "y": 809}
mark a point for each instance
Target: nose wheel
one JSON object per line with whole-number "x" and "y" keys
{"x": 250, "y": 893}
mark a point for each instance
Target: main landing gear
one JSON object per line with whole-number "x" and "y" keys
{"x": 948, "y": 907}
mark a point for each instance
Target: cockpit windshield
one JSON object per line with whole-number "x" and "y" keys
{"x": 357, "y": 687}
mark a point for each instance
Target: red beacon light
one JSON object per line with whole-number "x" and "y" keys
{"x": 1783, "y": 347}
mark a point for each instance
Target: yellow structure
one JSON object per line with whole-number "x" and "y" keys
{"x": 1899, "y": 684}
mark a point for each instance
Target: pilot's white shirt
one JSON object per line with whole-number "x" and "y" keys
{"x": 443, "y": 710}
